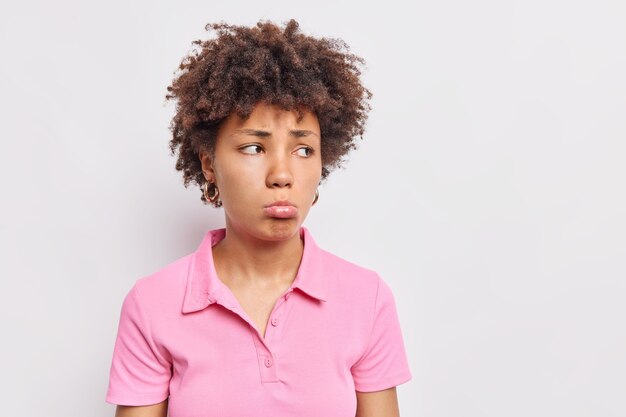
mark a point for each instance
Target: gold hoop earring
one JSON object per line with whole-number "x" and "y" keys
{"x": 212, "y": 198}
{"x": 317, "y": 196}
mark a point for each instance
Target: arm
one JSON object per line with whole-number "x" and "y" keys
{"x": 140, "y": 375}
{"x": 377, "y": 404}
{"x": 155, "y": 410}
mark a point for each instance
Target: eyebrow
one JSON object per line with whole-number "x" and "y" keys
{"x": 263, "y": 133}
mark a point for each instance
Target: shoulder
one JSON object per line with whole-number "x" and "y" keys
{"x": 357, "y": 294}
{"x": 348, "y": 270}
{"x": 166, "y": 283}
{"x": 350, "y": 280}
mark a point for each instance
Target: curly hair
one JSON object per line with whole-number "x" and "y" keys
{"x": 246, "y": 65}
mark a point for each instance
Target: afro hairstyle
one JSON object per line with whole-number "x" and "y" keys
{"x": 242, "y": 66}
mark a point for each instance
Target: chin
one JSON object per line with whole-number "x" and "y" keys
{"x": 283, "y": 229}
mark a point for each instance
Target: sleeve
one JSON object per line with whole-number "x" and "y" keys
{"x": 138, "y": 374}
{"x": 384, "y": 362}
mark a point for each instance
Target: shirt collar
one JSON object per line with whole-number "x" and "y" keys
{"x": 205, "y": 288}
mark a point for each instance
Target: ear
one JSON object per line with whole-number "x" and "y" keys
{"x": 207, "y": 165}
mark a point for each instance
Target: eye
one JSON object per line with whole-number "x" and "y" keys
{"x": 251, "y": 146}
{"x": 305, "y": 151}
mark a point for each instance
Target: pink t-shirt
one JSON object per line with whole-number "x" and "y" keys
{"x": 183, "y": 334}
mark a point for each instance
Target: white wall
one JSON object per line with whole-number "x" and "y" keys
{"x": 488, "y": 192}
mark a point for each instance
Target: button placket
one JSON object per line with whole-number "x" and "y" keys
{"x": 267, "y": 361}
{"x": 275, "y": 318}
{"x": 267, "y": 368}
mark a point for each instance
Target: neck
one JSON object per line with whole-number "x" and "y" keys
{"x": 244, "y": 259}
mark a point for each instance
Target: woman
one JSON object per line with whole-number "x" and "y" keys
{"x": 260, "y": 321}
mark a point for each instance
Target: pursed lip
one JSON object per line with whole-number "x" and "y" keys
{"x": 281, "y": 203}
{"x": 281, "y": 209}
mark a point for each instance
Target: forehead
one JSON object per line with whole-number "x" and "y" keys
{"x": 270, "y": 116}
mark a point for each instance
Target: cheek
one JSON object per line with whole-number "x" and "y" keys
{"x": 315, "y": 174}
{"x": 234, "y": 169}
{"x": 240, "y": 184}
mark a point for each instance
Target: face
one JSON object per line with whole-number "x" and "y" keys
{"x": 266, "y": 158}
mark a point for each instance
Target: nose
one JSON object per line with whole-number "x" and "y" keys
{"x": 279, "y": 173}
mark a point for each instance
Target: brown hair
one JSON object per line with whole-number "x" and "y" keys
{"x": 245, "y": 65}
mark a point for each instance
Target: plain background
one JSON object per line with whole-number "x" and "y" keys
{"x": 488, "y": 192}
